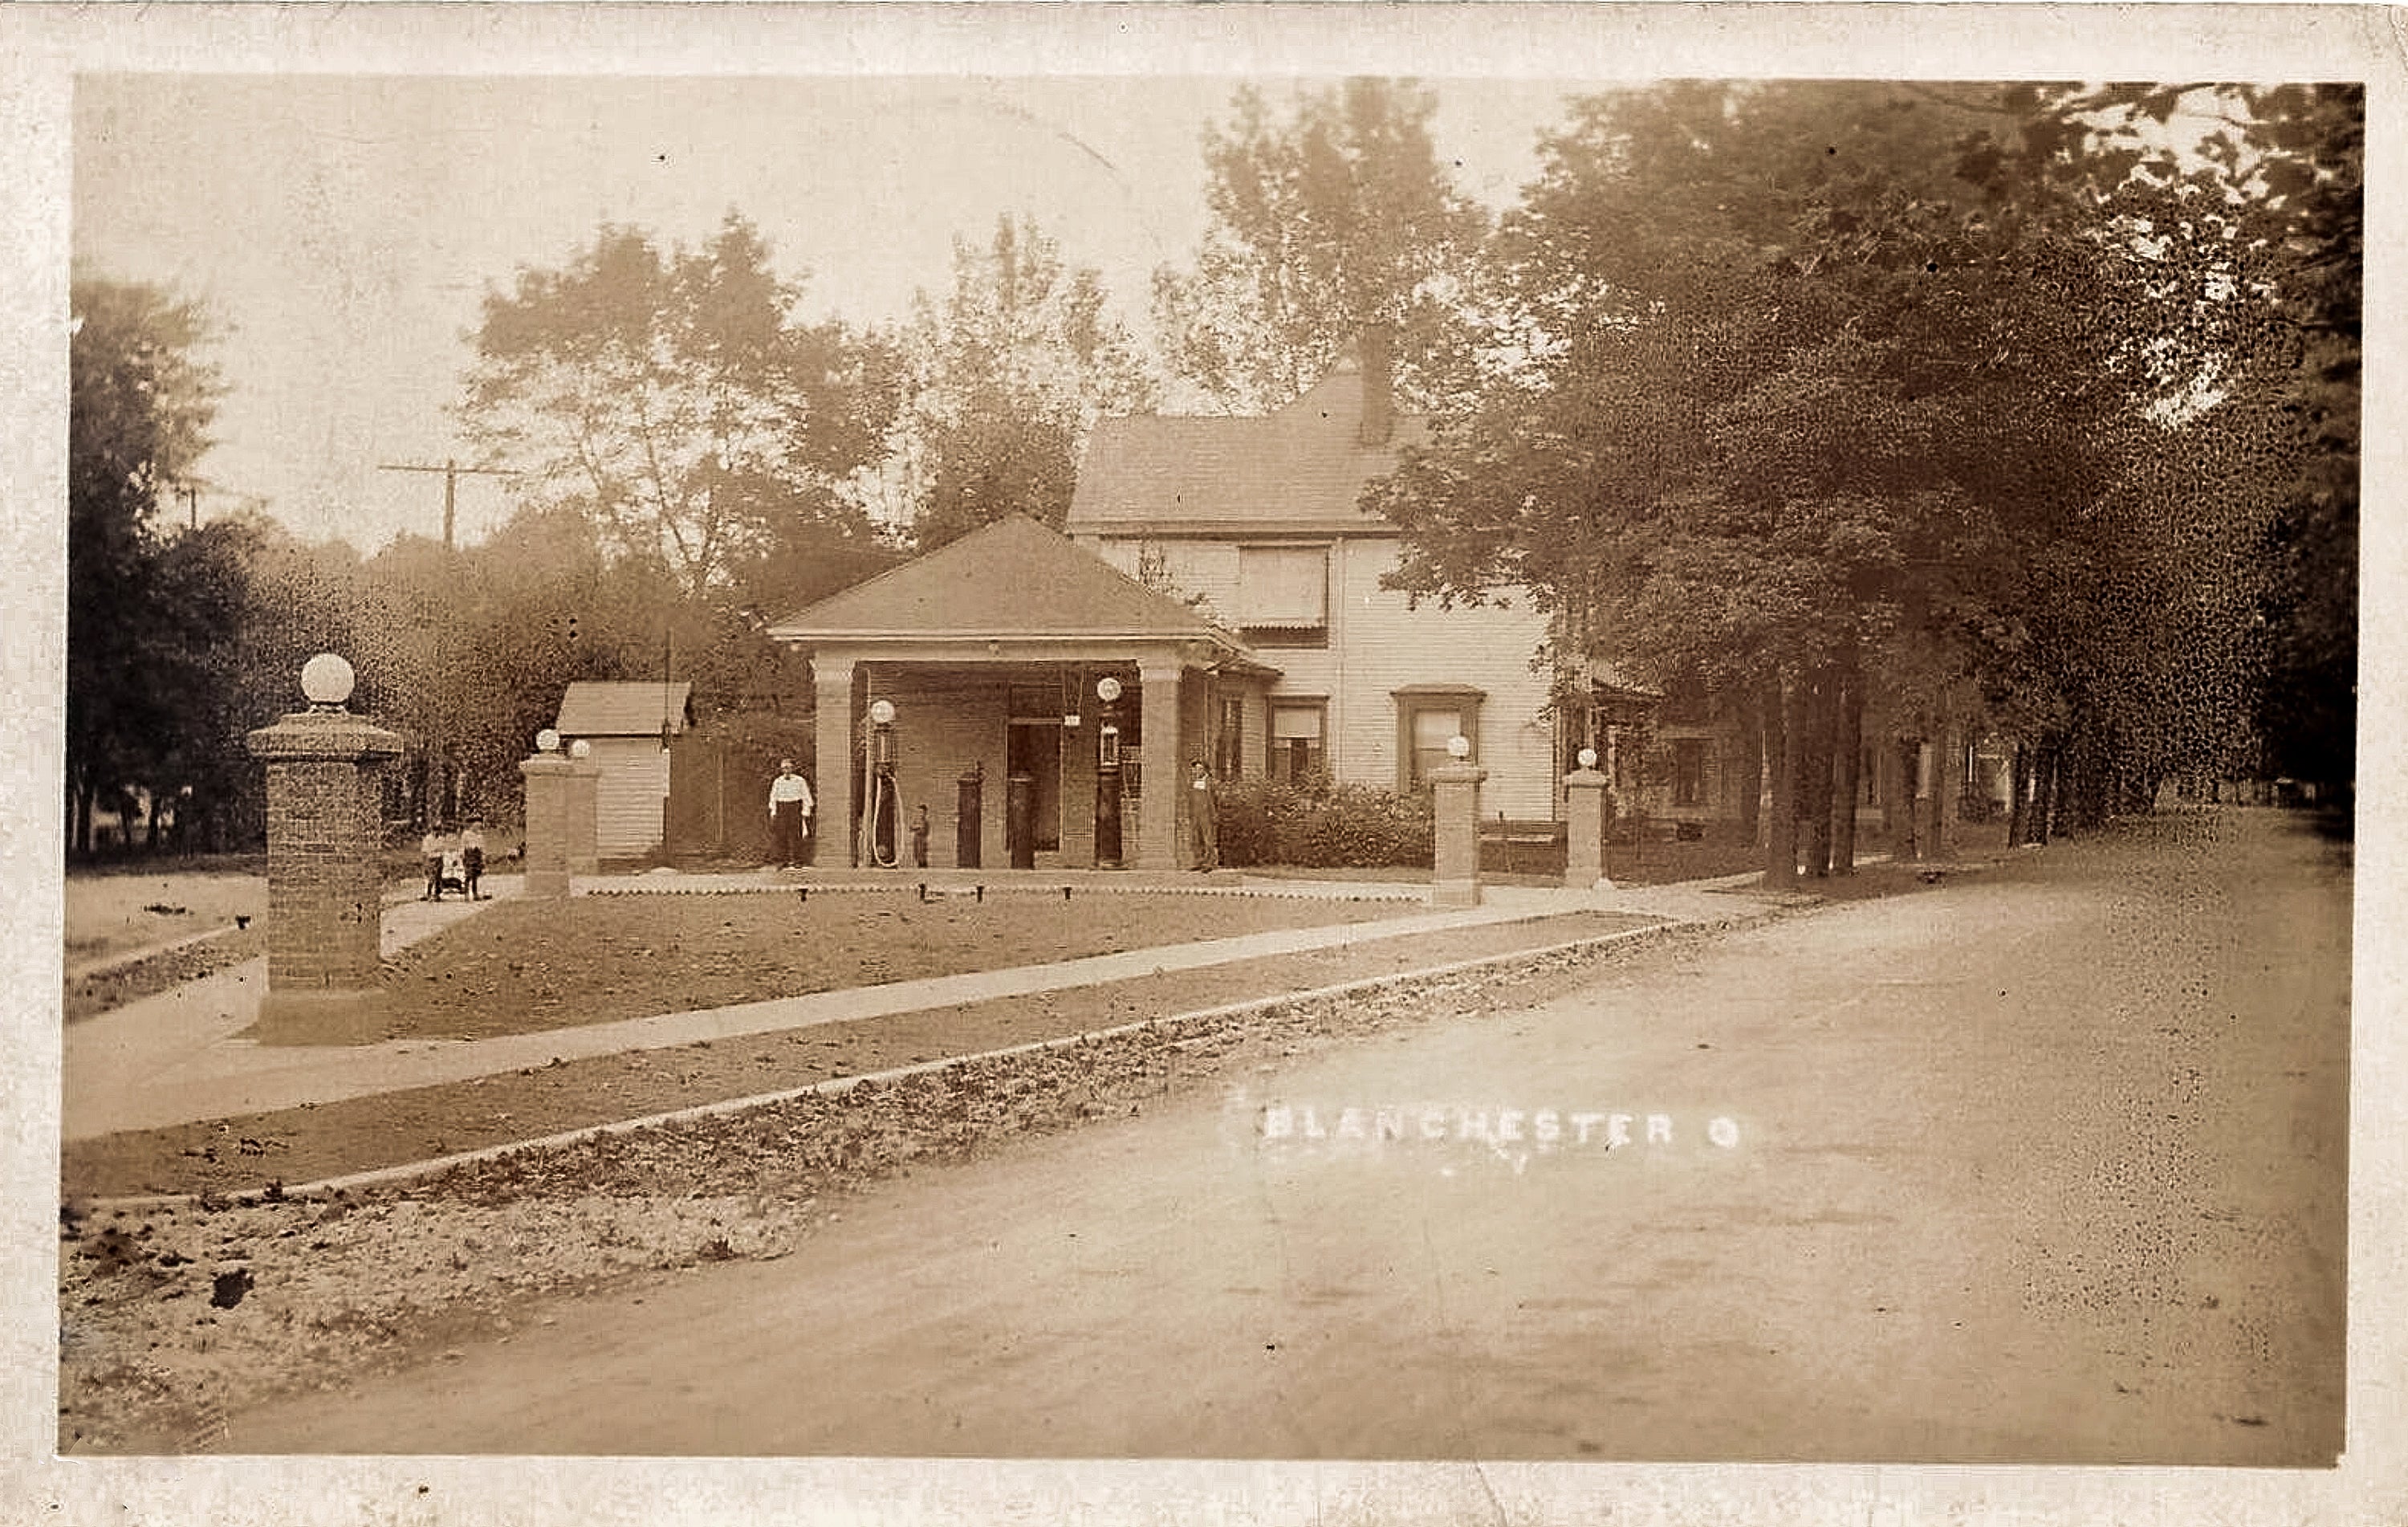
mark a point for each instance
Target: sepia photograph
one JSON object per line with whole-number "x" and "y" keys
{"x": 867, "y": 778}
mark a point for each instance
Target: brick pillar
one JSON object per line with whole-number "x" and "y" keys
{"x": 1585, "y": 830}
{"x": 548, "y": 834}
{"x": 325, "y": 847}
{"x": 832, "y": 822}
{"x": 583, "y": 819}
{"x": 1157, "y": 838}
{"x": 1454, "y": 789}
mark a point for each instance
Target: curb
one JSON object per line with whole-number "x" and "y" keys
{"x": 837, "y": 1086}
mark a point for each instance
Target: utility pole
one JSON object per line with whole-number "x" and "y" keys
{"x": 450, "y": 471}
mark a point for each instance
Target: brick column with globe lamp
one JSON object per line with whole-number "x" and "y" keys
{"x": 547, "y": 775}
{"x": 584, "y": 810}
{"x": 325, "y": 847}
{"x": 1454, "y": 808}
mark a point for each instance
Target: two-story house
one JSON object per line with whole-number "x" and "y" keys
{"x": 1220, "y": 573}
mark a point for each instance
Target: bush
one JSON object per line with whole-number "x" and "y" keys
{"x": 1316, "y": 824}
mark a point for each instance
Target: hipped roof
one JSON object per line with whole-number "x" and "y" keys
{"x": 1012, "y": 580}
{"x": 614, "y": 708}
{"x": 1301, "y": 467}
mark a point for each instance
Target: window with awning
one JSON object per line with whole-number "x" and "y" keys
{"x": 1283, "y": 588}
{"x": 1295, "y": 733}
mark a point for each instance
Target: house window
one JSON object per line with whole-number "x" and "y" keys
{"x": 1283, "y": 594}
{"x": 1229, "y": 739}
{"x": 1688, "y": 771}
{"x": 1428, "y": 715}
{"x": 1296, "y": 732}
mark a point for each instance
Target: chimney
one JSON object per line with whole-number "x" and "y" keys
{"x": 1379, "y": 402}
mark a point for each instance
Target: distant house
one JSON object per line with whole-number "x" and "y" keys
{"x": 629, "y": 728}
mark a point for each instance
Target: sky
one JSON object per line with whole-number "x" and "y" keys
{"x": 342, "y": 230}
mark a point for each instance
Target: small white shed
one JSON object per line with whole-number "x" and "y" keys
{"x": 629, "y": 726}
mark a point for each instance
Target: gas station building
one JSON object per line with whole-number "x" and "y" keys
{"x": 993, "y": 653}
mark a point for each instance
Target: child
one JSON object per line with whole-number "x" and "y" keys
{"x": 431, "y": 849}
{"x": 472, "y": 858}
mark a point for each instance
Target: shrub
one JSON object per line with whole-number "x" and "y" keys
{"x": 1316, "y": 825}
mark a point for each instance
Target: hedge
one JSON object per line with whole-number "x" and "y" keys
{"x": 1314, "y": 824}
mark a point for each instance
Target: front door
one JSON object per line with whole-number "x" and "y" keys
{"x": 1036, "y": 750}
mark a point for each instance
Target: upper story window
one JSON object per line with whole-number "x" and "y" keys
{"x": 1283, "y": 594}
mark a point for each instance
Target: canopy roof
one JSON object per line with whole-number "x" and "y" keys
{"x": 1014, "y": 580}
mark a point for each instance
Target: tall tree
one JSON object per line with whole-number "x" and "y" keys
{"x": 1008, "y": 377}
{"x": 141, "y": 398}
{"x": 1792, "y": 403}
{"x": 1330, "y": 218}
{"x": 676, "y": 398}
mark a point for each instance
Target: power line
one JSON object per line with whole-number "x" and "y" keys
{"x": 450, "y": 471}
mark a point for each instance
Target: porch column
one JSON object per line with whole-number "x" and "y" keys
{"x": 1166, "y": 779}
{"x": 832, "y": 766}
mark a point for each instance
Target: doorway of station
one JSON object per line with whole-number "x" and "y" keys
{"x": 1035, "y": 749}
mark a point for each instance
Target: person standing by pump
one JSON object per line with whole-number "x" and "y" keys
{"x": 790, "y": 815}
{"x": 1204, "y": 818}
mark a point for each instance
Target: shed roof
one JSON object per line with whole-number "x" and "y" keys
{"x": 1303, "y": 467}
{"x": 615, "y": 708}
{"x": 1012, "y": 578}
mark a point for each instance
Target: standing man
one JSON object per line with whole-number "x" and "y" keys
{"x": 790, "y": 815}
{"x": 1204, "y": 818}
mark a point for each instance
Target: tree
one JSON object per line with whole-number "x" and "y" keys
{"x": 677, "y": 400}
{"x": 1008, "y": 379}
{"x": 1333, "y": 217}
{"x": 141, "y": 402}
{"x": 1795, "y": 401}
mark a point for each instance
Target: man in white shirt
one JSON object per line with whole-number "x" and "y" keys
{"x": 790, "y": 815}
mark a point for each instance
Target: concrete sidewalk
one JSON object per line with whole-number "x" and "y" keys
{"x": 175, "y": 1057}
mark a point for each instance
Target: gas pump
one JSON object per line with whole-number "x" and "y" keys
{"x": 1108, "y": 776}
{"x": 877, "y": 808}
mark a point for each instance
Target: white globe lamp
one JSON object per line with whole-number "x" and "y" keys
{"x": 547, "y": 741}
{"x": 326, "y": 682}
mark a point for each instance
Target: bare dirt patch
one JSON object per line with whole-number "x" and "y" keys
{"x": 525, "y": 967}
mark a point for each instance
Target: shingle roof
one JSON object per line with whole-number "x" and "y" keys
{"x": 1302, "y": 467}
{"x": 600, "y": 708}
{"x": 1014, "y": 578}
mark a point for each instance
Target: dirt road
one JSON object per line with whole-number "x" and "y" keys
{"x": 2047, "y": 1166}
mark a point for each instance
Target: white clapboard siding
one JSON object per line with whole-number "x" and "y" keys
{"x": 628, "y": 796}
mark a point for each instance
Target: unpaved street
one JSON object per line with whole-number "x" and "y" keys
{"x": 2045, "y": 1165}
